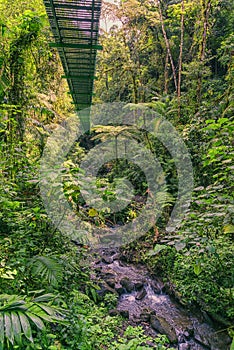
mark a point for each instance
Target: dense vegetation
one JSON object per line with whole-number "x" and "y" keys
{"x": 175, "y": 58}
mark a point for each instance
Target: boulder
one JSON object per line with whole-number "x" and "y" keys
{"x": 184, "y": 346}
{"x": 111, "y": 282}
{"x": 205, "y": 335}
{"x": 138, "y": 285}
{"x": 113, "y": 312}
{"x": 161, "y": 325}
{"x": 127, "y": 284}
{"x": 141, "y": 294}
{"x": 119, "y": 289}
{"x": 124, "y": 313}
{"x": 107, "y": 259}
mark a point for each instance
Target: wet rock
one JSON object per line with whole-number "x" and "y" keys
{"x": 195, "y": 346}
{"x": 109, "y": 275}
{"x": 157, "y": 290}
{"x": 158, "y": 287}
{"x": 107, "y": 259}
{"x": 184, "y": 346}
{"x": 119, "y": 289}
{"x": 113, "y": 312}
{"x": 127, "y": 284}
{"x": 181, "y": 338}
{"x": 186, "y": 334}
{"x": 141, "y": 294}
{"x": 205, "y": 335}
{"x": 124, "y": 313}
{"x": 161, "y": 325}
{"x": 145, "y": 316}
{"x": 121, "y": 263}
{"x": 111, "y": 283}
{"x": 105, "y": 289}
{"x": 139, "y": 285}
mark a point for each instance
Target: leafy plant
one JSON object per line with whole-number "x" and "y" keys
{"x": 20, "y": 315}
{"x": 47, "y": 268}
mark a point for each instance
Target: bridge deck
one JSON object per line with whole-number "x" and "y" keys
{"x": 75, "y": 25}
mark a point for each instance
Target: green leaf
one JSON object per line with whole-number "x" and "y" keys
{"x": 1, "y": 330}
{"x": 93, "y": 212}
{"x": 26, "y": 328}
{"x": 16, "y": 326}
{"x": 48, "y": 268}
{"x": 35, "y": 319}
{"x": 197, "y": 268}
{"x": 228, "y": 229}
{"x": 8, "y": 328}
{"x": 44, "y": 298}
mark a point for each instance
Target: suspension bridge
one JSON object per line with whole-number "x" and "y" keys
{"x": 75, "y": 28}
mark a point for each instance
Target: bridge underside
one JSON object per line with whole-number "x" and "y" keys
{"x": 75, "y": 25}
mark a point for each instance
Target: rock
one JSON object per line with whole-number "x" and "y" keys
{"x": 157, "y": 290}
{"x": 205, "y": 335}
{"x": 119, "y": 289}
{"x": 115, "y": 256}
{"x": 145, "y": 316}
{"x": 98, "y": 269}
{"x": 111, "y": 283}
{"x": 107, "y": 259}
{"x": 161, "y": 325}
{"x": 186, "y": 334}
{"x": 121, "y": 263}
{"x": 184, "y": 346}
{"x": 141, "y": 294}
{"x": 113, "y": 312}
{"x": 127, "y": 284}
{"x": 138, "y": 285}
{"x": 195, "y": 346}
{"x": 158, "y": 287}
{"x": 124, "y": 313}
{"x": 109, "y": 275}
{"x": 105, "y": 289}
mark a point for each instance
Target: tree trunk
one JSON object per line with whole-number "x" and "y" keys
{"x": 206, "y": 7}
{"x": 180, "y": 58}
{"x": 166, "y": 74}
{"x": 167, "y": 43}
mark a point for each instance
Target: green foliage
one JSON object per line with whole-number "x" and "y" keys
{"x": 135, "y": 339}
{"x": 47, "y": 269}
{"x": 19, "y": 315}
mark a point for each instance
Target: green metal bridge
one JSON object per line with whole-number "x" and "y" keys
{"x": 75, "y": 26}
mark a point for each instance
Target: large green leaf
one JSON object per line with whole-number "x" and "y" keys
{"x": 1, "y": 331}
{"x": 48, "y": 268}
{"x": 8, "y": 327}
{"x": 16, "y": 327}
{"x": 26, "y": 326}
{"x": 19, "y": 314}
{"x": 36, "y": 320}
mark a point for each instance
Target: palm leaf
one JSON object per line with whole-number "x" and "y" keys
{"x": 36, "y": 320}
{"x": 48, "y": 268}
{"x": 18, "y": 314}
{"x": 1, "y": 331}
{"x": 26, "y": 328}
{"x": 8, "y": 327}
{"x": 16, "y": 327}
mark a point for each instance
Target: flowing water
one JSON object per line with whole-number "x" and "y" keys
{"x": 143, "y": 300}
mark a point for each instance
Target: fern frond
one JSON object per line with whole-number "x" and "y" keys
{"x": 47, "y": 268}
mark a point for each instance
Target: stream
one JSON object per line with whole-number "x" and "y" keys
{"x": 144, "y": 302}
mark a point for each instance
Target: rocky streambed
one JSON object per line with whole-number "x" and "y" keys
{"x": 143, "y": 301}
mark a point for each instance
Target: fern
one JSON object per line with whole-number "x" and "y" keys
{"x": 47, "y": 268}
{"x": 19, "y": 314}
